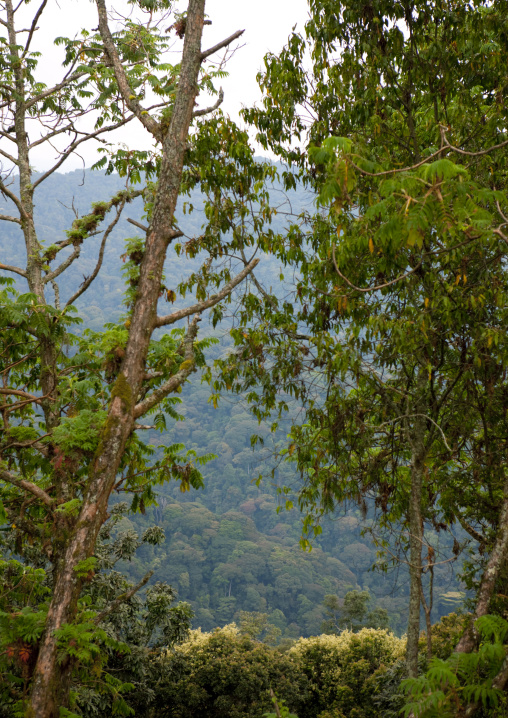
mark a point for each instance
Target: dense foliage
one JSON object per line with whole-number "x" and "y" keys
{"x": 394, "y": 338}
{"x": 75, "y": 403}
{"x": 388, "y": 335}
{"x": 226, "y": 672}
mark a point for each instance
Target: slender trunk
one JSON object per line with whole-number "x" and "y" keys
{"x": 416, "y": 437}
{"x": 415, "y": 565}
{"x": 427, "y": 607}
{"x": 47, "y": 691}
{"x": 26, "y": 197}
{"x": 497, "y": 559}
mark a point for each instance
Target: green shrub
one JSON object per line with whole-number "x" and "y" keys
{"x": 340, "y": 670}
{"x": 224, "y": 674}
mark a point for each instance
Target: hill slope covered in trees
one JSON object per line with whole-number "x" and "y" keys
{"x": 230, "y": 546}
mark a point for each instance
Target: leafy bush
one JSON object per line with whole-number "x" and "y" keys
{"x": 224, "y": 673}
{"x": 341, "y": 671}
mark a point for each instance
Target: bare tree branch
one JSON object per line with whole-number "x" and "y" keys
{"x": 186, "y": 368}
{"x": 16, "y": 270}
{"x": 470, "y": 530}
{"x": 22, "y": 394}
{"x": 95, "y": 272}
{"x": 370, "y": 289}
{"x": 7, "y": 192}
{"x": 56, "y": 290}
{"x": 8, "y": 218}
{"x": 128, "y": 94}
{"x": 33, "y": 27}
{"x": 72, "y": 147}
{"x": 443, "y": 129}
{"x": 206, "y": 110}
{"x": 54, "y": 89}
{"x": 207, "y": 303}
{"x": 137, "y": 224}
{"x": 445, "y": 148}
{"x": 62, "y": 267}
{"x": 6, "y": 154}
{"x": 411, "y": 416}
{"x": 25, "y": 485}
{"x": 220, "y": 45}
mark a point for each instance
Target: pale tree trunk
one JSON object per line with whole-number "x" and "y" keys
{"x": 497, "y": 560}
{"x": 50, "y": 682}
{"x": 427, "y": 607}
{"x": 25, "y": 205}
{"x": 469, "y": 639}
{"x": 415, "y": 563}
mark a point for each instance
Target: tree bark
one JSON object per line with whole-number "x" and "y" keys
{"x": 415, "y": 565}
{"x": 416, "y": 435}
{"x": 50, "y": 686}
{"x": 497, "y": 559}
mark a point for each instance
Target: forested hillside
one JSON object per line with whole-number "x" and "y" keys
{"x": 230, "y": 546}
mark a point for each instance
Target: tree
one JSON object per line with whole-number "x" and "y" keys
{"x": 394, "y": 338}
{"x": 225, "y": 672}
{"x": 73, "y": 402}
{"x": 352, "y": 613}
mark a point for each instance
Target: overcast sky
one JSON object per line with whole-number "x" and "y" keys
{"x": 267, "y": 25}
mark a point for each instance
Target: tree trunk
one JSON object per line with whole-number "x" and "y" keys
{"x": 50, "y": 684}
{"x": 498, "y": 557}
{"x": 415, "y": 565}
{"x": 416, "y": 436}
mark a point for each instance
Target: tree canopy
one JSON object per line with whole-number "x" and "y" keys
{"x": 394, "y": 336}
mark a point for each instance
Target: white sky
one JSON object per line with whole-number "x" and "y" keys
{"x": 267, "y": 25}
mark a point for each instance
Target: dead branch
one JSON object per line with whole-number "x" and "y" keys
{"x": 220, "y": 45}
{"x": 137, "y": 224}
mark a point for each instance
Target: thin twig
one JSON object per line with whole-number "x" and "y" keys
{"x": 379, "y": 286}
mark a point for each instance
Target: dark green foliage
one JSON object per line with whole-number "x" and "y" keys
{"x": 352, "y": 613}
{"x": 223, "y": 431}
{"x": 116, "y": 633}
{"x": 228, "y": 675}
{"x": 450, "y": 686}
